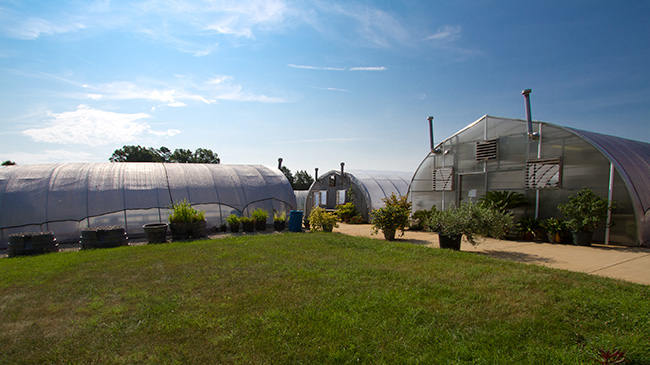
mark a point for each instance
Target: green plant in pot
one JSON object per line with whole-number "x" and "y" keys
{"x": 279, "y": 221}
{"x": 530, "y": 228}
{"x": 584, "y": 212}
{"x": 248, "y": 225}
{"x": 186, "y": 222}
{"x": 259, "y": 217}
{"x": 554, "y": 228}
{"x": 233, "y": 222}
{"x": 393, "y": 216}
{"x": 470, "y": 220}
{"x": 322, "y": 220}
{"x": 346, "y": 211}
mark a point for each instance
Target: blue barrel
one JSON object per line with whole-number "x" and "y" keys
{"x": 295, "y": 221}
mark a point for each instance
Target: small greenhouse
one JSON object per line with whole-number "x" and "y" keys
{"x": 65, "y": 198}
{"x": 545, "y": 162}
{"x": 365, "y": 189}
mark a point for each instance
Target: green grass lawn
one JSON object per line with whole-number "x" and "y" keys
{"x": 310, "y": 298}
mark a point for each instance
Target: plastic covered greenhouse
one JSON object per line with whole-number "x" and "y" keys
{"x": 547, "y": 164}
{"x": 65, "y": 198}
{"x": 365, "y": 189}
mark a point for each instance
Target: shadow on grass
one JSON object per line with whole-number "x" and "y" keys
{"x": 517, "y": 256}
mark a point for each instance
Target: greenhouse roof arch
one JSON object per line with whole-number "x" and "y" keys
{"x": 495, "y": 153}
{"x": 64, "y": 198}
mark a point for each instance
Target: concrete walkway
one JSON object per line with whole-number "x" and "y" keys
{"x": 625, "y": 263}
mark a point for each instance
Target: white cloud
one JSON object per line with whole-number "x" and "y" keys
{"x": 53, "y": 156}
{"x": 92, "y": 127}
{"x": 21, "y": 27}
{"x": 446, "y": 33}
{"x": 184, "y": 90}
{"x": 356, "y": 68}
{"x": 331, "y": 89}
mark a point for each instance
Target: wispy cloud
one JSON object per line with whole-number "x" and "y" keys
{"x": 356, "y": 68}
{"x": 179, "y": 94}
{"x": 446, "y": 33}
{"x": 93, "y": 127}
{"x": 318, "y": 140}
{"x": 17, "y": 25}
{"x": 331, "y": 89}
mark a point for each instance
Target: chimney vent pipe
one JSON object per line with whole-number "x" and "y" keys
{"x": 316, "y": 174}
{"x": 430, "y": 119}
{"x": 280, "y": 163}
{"x": 342, "y": 165}
{"x": 529, "y": 118}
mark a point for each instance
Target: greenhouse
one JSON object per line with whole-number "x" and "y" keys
{"x": 547, "y": 163}
{"x": 65, "y": 198}
{"x": 365, "y": 189}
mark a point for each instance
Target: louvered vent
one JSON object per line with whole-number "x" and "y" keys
{"x": 544, "y": 174}
{"x": 487, "y": 150}
{"x": 443, "y": 179}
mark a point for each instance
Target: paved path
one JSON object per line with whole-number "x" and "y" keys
{"x": 625, "y": 263}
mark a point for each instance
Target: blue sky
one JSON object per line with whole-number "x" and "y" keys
{"x": 313, "y": 82}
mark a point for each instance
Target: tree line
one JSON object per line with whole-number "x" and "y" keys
{"x": 300, "y": 181}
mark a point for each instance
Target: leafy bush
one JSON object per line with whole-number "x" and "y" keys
{"x": 420, "y": 216}
{"x": 503, "y": 200}
{"x": 233, "y": 220}
{"x": 357, "y": 219}
{"x": 260, "y": 215}
{"x": 322, "y": 220}
{"x": 346, "y": 211}
{"x": 280, "y": 217}
{"x": 529, "y": 227}
{"x": 471, "y": 220}
{"x": 393, "y": 216}
{"x": 585, "y": 210}
{"x": 183, "y": 212}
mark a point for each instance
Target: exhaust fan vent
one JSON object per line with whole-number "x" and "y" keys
{"x": 443, "y": 179}
{"x": 487, "y": 150}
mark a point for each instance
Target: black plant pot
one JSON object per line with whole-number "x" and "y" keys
{"x": 155, "y": 232}
{"x": 248, "y": 226}
{"x": 279, "y": 225}
{"x": 582, "y": 238}
{"x": 452, "y": 242}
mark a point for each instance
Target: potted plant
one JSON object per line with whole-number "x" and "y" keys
{"x": 529, "y": 227}
{"x": 233, "y": 222}
{"x": 394, "y": 215}
{"x": 322, "y": 220}
{"x": 247, "y": 224}
{"x": 470, "y": 220}
{"x": 554, "y": 228}
{"x": 584, "y": 212}
{"x": 186, "y": 222}
{"x": 346, "y": 211}
{"x": 259, "y": 217}
{"x": 279, "y": 221}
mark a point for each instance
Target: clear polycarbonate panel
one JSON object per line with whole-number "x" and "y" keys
{"x": 67, "y": 231}
{"x": 136, "y": 218}
{"x": 380, "y": 185}
{"x": 108, "y": 219}
{"x": 25, "y": 196}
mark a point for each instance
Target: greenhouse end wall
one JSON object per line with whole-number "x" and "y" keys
{"x": 66, "y": 198}
{"x": 580, "y": 165}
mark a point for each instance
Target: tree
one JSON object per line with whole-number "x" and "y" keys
{"x": 136, "y": 154}
{"x": 288, "y": 174}
{"x": 163, "y": 154}
{"x": 8, "y": 163}
{"x": 302, "y": 180}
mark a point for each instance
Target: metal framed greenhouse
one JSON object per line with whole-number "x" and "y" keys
{"x": 65, "y": 198}
{"x": 365, "y": 189}
{"x": 547, "y": 163}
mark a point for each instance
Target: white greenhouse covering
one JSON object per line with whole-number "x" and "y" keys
{"x": 65, "y": 198}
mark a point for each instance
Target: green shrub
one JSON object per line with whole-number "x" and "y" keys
{"x": 471, "y": 220}
{"x": 233, "y": 220}
{"x": 420, "y": 216}
{"x": 260, "y": 215}
{"x": 183, "y": 212}
{"x": 585, "y": 210}
{"x": 393, "y": 216}
{"x": 322, "y": 220}
{"x": 503, "y": 200}
{"x": 346, "y": 211}
{"x": 282, "y": 217}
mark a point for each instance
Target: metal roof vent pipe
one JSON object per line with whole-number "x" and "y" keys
{"x": 280, "y": 163}
{"x": 532, "y": 135}
{"x": 316, "y": 174}
{"x": 342, "y": 165}
{"x": 433, "y": 149}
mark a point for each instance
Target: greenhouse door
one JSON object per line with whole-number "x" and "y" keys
{"x": 472, "y": 187}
